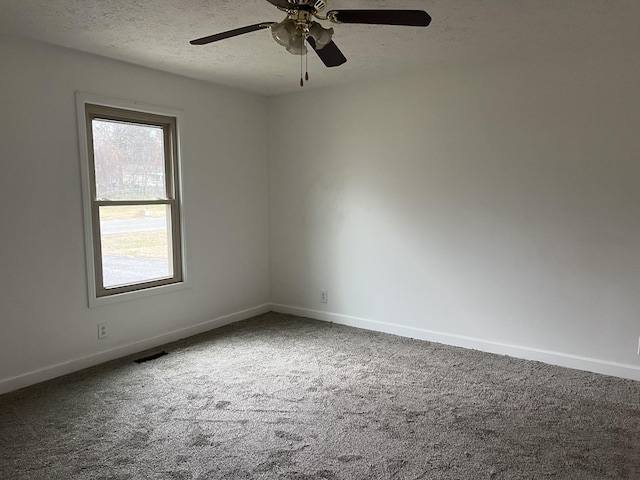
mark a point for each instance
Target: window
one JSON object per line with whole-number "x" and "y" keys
{"x": 132, "y": 200}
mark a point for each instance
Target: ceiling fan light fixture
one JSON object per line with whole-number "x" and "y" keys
{"x": 288, "y": 34}
{"x": 298, "y": 28}
{"x": 321, "y": 35}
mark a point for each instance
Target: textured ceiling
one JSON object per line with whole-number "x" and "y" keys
{"x": 156, "y": 33}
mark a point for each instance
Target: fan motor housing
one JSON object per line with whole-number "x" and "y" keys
{"x": 315, "y": 4}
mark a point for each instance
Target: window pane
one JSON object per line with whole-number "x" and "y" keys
{"x": 129, "y": 161}
{"x": 136, "y": 244}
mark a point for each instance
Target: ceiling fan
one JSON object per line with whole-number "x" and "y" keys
{"x": 299, "y": 28}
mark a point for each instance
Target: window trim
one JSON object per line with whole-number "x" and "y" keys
{"x": 88, "y": 107}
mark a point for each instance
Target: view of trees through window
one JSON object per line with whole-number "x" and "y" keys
{"x": 129, "y": 165}
{"x": 129, "y": 161}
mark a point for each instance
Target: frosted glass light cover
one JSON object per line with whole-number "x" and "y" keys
{"x": 283, "y": 31}
{"x": 297, "y": 45}
{"x": 321, "y": 35}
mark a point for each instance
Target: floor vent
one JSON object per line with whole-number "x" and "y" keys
{"x": 151, "y": 357}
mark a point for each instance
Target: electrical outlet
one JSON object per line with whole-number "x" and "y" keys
{"x": 324, "y": 296}
{"x": 638, "y": 345}
{"x": 102, "y": 330}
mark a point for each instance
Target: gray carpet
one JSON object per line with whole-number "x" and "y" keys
{"x": 283, "y": 397}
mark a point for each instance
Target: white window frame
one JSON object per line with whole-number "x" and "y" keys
{"x": 87, "y": 107}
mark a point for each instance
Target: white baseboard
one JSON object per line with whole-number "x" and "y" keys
{"x": 70, "y": 366}
{"x": 554, "y": 358}
{"x": 604, "y": 367}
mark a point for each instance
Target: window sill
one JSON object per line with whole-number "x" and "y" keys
{"x": 95, "y": 301}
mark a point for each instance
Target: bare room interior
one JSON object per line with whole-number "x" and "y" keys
{"x": 423, "y": 262}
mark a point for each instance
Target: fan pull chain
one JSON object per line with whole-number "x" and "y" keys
{"x": 301, "y": 47}
{"x": 306, "y": 65}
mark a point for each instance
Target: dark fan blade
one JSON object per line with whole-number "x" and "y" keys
{"x": 330, "y": 54}
{"x": 280, "y": 3}
{"x": 231, "y": 33}
{"x": 412, "y": 18}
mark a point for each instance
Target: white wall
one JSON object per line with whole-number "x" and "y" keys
{"x": 490, "y": 206}
{"x": 44, "y": 318}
